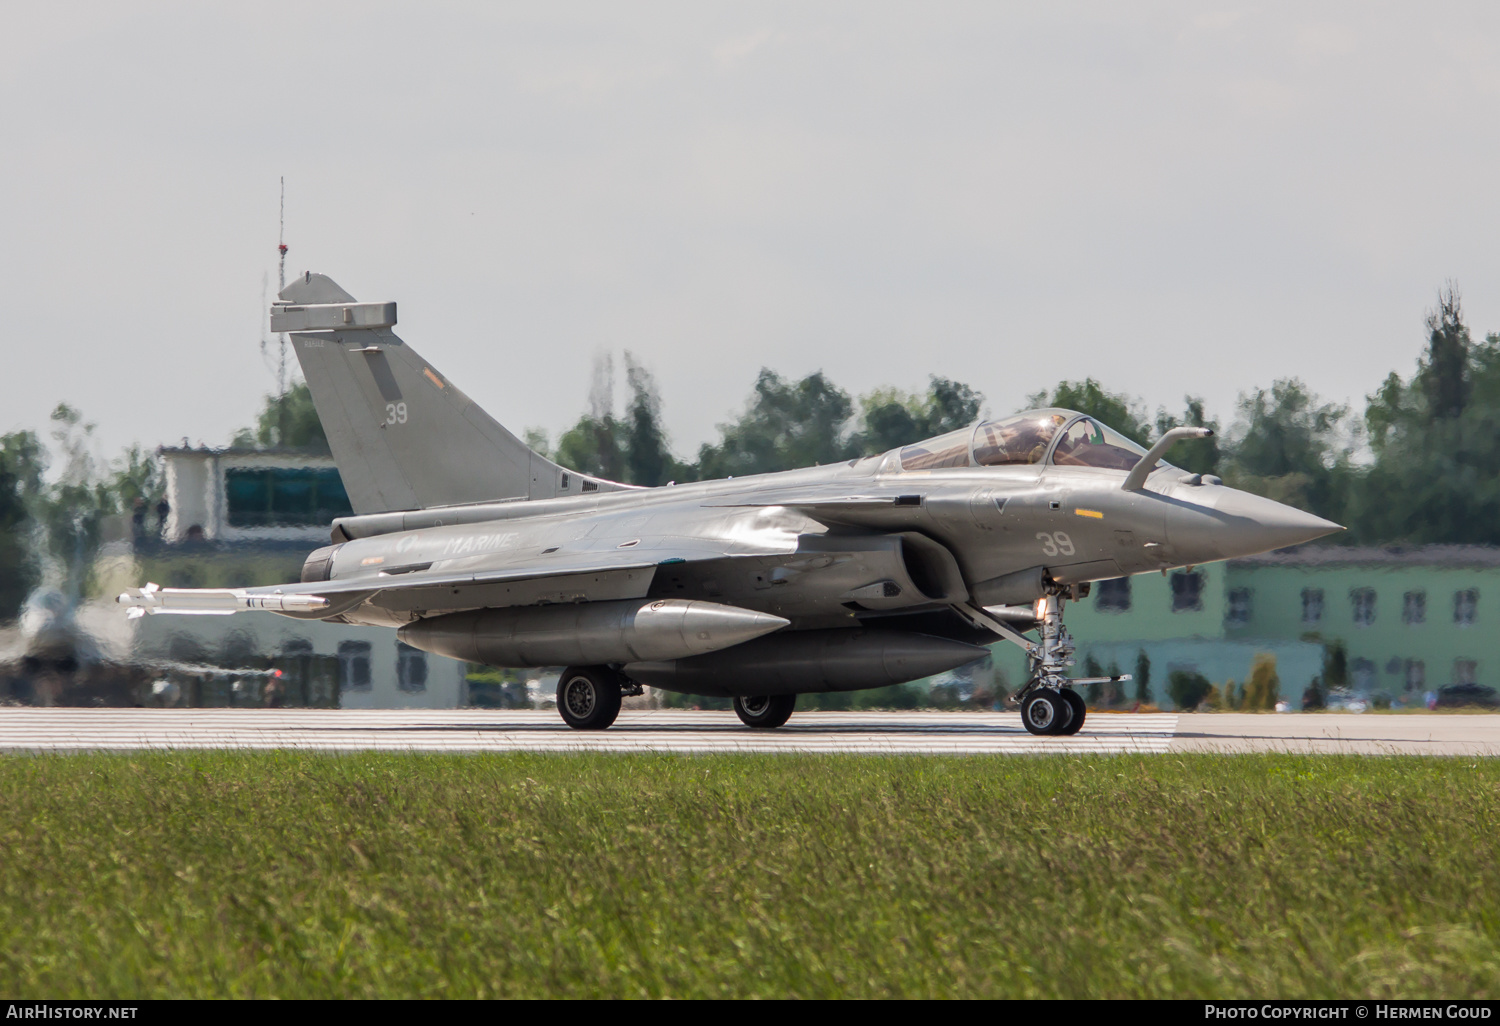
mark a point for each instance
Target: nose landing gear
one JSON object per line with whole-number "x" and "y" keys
{"x": 1049, "y": 705}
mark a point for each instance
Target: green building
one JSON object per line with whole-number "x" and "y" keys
{"x": 1410, "y": 621}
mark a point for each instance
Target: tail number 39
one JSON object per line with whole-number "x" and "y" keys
{"x": 1055, "y": 543}
{"x": 395, "y": 413}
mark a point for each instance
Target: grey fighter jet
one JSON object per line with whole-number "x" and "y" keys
{"x": 857, "y": 575}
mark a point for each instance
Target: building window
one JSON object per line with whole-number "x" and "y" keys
{"x": 1312, "y": 605}
{"x": 1187, "y": 592}
{"x": 1465, "y": 671}
{"x": 354, "y": 665}
{"x": 1416, "y": 675}
{"x": 1465, "y": 604}
{"x": 284, "y": 496}
{"x": 411, "y": 668}
{"x": 1238, "y": 612}
{"x": 1363, "y": 675}
{"x": 1363, "y": 601}
{"x": 1114, "y": 596}
{"x": 1414, "y": 607}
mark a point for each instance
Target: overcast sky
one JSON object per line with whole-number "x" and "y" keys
{"x": 1171, "y": 198}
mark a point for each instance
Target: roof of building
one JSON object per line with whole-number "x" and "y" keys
{"x": 1370, "y": 555}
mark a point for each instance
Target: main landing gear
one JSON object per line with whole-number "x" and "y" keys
{"x": 1049, "y": 705}
{"x": 589, "y": 696}
{"x": 765, "y": 711}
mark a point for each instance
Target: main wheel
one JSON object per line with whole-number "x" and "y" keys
{"x": 1045, "y": 712}
{"x": 588, "y": 697}
{"x": 765, "y": 711}
{"x": 1080, "y": 709}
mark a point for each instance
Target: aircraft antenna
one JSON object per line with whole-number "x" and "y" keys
{"x": 281, "y": 284}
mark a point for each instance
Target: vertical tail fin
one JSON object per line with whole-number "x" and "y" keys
{"x": 403, "y": 436}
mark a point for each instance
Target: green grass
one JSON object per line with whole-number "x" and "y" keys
{"x": 234, "y": 874}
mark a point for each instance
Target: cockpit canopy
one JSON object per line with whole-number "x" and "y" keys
{"x": 1063, "y": 438}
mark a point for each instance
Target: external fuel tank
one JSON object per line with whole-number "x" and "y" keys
{"x": 589, "y": 633}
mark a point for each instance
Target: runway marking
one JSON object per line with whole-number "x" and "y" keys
{"x": 473, "y": 730}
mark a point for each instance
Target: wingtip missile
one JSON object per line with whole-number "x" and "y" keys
{"x": 154, "y": 599}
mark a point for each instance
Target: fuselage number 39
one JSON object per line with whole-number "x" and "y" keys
{"x": 395, "y": 413}
{"x": 1055, "y": 543}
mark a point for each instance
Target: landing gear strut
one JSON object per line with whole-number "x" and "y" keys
{"x": 1049, "y": 705}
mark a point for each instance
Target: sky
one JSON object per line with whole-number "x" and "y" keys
{"x": 1172, "y": 198}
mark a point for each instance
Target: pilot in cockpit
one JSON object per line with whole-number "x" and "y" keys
{"x": 1087, "y": 443}
{"x": 1020, "y": 439}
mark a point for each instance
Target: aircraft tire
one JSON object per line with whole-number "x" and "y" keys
{"x": 765, "y": 712}
{"x": 588, "y": 697}
{"x": 1080, "y": 710}
{"x": 1044, "y": 712}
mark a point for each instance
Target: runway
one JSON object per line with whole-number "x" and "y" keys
{"x": 474, "y": 730}
{"x": 478, "y": 730}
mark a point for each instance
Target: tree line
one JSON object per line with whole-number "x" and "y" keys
{"x": 1419, "y": 465}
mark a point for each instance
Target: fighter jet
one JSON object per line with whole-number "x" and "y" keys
{"x": 857, "y": 575}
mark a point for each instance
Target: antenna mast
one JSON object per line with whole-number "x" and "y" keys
{"x": 281, "y": 284}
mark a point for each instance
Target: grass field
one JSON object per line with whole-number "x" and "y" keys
{"x": 277, "y": 874}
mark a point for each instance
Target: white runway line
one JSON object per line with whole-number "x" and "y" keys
{"x": 470, "y": 730}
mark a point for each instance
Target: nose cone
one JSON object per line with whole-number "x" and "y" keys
{"x": 1240, "y": 524}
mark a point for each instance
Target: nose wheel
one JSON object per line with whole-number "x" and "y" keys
{"x": 1080, "y": 710}
{"x": 1049, "y": 712}
{"x": 1044, "y": 712}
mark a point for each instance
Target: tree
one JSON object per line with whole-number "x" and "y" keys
{"x": 950, "y": 405}
{"x": 1288, "y": 445}
{"x": 287, "y": 421}
{"x": 135, "y": 479}
{"x": 71, "y": 508}
{"x": 891, "y": 418}
{"x": 1188, "y": 689}
{"x": 647, "y": 461}
{"x": 633, "y": 449}
{"x": 592, "y": 446}
{"x": 537, "y": 441}
{"x": 22, "y": 461}
{"x": 52, "y": 529}
{"x": 1335, "y": 666}
{"x": 1444, "y": 377}
{"x": 1142, "y": 677}
{"x": 785, "y": 425}
{"x": 1263, "y": 686}
{"x": 1436, "y": 473}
